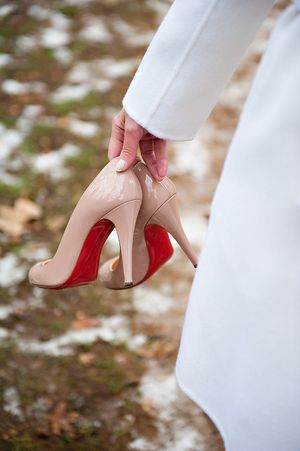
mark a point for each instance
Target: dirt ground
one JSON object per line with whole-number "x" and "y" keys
{"x": 88, "y": 368}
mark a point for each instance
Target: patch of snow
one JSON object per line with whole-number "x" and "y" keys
{"x": 5, "y": 311}
{"x": 32, "y": 111}
{"x": 63, "y": 55}
{"x": 141, "y": 444}
{"x": 112, "y": 243}
{"x": 77, "y": 2}
{"x": 113, "y": 68}
{"x": 161, "y": 390}
{"x": 8, "y": 179}
{"x": 140, "y": 39}
{"x": 136, "y": 341}
{"x": 81, "y": 72}
{"x": 95, "y": 112}
{"x": 9, "y": 140}
{"x": 195, "y": 227}
{"x": 52, "y": 163}
{"x": 122, "y": 27}
{"x": 5, "y": 59}
{"x": 38, "y": 254}
{"x": 190, "y": 157}
{"x": 83, "y": 128}
{"x": 101, "y": 85}
{"x": 160, "y": 8}
{"x": 185, "y": 438}
{"x": 38, "y": 294}
{"x": 53, "y": 37}
{"x": 18, "y": 306}
{"x": 12, "y": 402}
{"x": 75, "y": 92}
{"x": 95, "y": 31}
{"x": 4, "y": 333}
{"x": 26, "y": 43}
{"x": 151, "y": 302}
{"x": 26, "y": 120}
{"x": 38, "y": 408}
{"x": 14, "y": 87}
{"x": 57, "y": 19}
{"x": 5, "y": 10}
{"x": 11, "y": 271}
{"x": 100, "y": 73}
{"x": 66, "y": 93}
{"x": 132, "y": 36}
{"x": 113, "y": 329}
{"x": 175, "y": 433}
{"x": 91, "y": 75}
{"x": 38, "y": 12}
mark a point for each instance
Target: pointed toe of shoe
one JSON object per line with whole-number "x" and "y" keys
{"x": 36, "y": 273}
{"x": 33, "y": 274}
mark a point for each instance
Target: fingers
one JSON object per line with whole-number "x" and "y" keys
{"x": 117, "y": 136}
{"x": 126, "y": 136}
{"x": 147, "y": 151}
{"x": 116, "y": 142}
{"x": 132, "y": 135}
{"x": 154, "y": 152}
{"x": 161, "y": 157}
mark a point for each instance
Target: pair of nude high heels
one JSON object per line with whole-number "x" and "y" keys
{"x": 141, "y": 209}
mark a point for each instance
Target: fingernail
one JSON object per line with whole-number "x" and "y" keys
{"x": 120, "y": 165}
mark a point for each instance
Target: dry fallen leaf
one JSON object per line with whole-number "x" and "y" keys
{"x": 147, "y": 406}
{"x": 56, "y": 223}
{"x": 57, "y": 417}
{"x": 13, "y": 219}
{"x": 28, "y": 209}
{"x": 157, "y": 349}
{"x": 12, "y": 229}
{"x": 86, "y": 358}
{"x": 80, "y": 314}
{"x": 121, "y": 357}
{"x": 83, "y": 321}
{"x": 62, "y": 421}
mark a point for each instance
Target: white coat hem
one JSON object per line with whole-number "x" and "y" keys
{"x": 200, "y": 404}
{"x": 153, "y": 130}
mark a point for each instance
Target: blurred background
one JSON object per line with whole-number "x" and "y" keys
{"x": 88, "y": 368}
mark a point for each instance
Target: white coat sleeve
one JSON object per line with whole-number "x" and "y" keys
{"x": 190, "y": 59}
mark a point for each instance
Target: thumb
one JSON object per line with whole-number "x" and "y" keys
{"x": 132, "y": 135}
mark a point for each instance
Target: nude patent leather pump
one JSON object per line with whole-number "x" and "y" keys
{"x": 113, "y": 199}
{"x": 151, "y": 244}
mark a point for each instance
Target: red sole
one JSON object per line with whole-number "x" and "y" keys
{"x": 86, "y": 269}
{"x": 159, "y": 248}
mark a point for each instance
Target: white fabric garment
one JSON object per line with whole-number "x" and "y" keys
{"x": 239, "y": 354}
{"x": 189, "y": 61}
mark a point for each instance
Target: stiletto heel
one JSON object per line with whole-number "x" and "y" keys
{"x": 111, "y": 199}
{"x": 168, "y": 217}
{"x": 124, "y": 219}
{"x": 157, "y": 216}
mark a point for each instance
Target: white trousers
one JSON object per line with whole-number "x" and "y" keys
{"x": 239, "y": 355}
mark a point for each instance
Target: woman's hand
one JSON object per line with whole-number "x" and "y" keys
{"x": 126, "y": 136}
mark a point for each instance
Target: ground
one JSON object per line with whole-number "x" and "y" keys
{"x": 88, "y": 368}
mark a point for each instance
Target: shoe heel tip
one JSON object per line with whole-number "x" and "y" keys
{"x": 196, "y": 266}
{"x": 128, "y": 284}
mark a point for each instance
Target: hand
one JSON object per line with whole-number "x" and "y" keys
{"x": 126, "y": 136}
